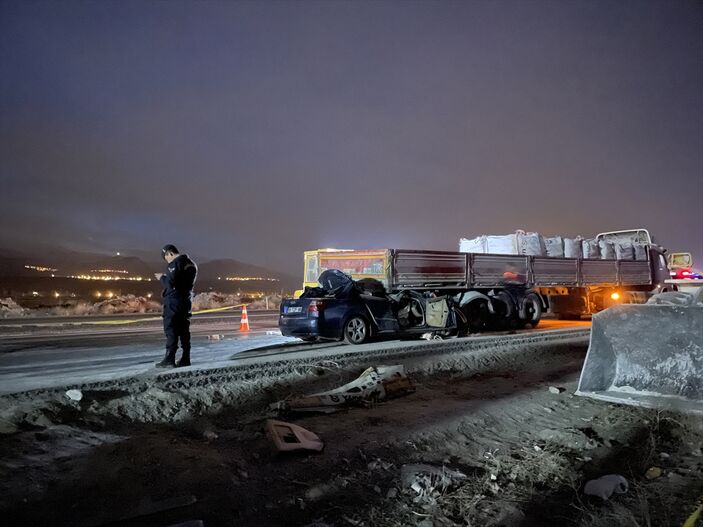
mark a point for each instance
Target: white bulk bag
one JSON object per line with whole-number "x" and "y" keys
{"x": 474, "y": 245}
{"x": 590, "y": 249}
{"x": 554, "y": 246}
{"x": 624, "y": 251}
{"x": 640, "y": 251}
{"x": 572, "y": 247}
{"x": 506, "y": 244}
{"x": 607, "y": 250}
{"x": 530, "y": 243}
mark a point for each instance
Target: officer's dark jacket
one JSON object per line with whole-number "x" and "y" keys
{"x": 179, "y": 279}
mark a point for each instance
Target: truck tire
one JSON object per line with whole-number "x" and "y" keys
{"x": 356, "y": 330}
{"x": 478, "y": 316}
{"x": 533, "y": 310}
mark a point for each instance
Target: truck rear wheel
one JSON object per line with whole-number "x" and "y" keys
{"x": 532, "y": 310}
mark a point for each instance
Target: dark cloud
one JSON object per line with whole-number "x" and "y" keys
{"x": 257, "y": 130}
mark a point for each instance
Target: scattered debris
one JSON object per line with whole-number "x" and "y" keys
{"x": 429, "y": 481}
{"x": 653, "y": 473}
{"x": 316, "y": 492}
{"x": 374, "y": 384}
{"x": 74, "y": 395}
{"x": 605, "y": 486}
{"x": 215, "y": 337}
{"x": 288, "y": 437}
{"x": 210, "y": 435}
{"x": 557, "y": 389}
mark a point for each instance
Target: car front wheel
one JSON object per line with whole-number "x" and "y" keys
{"x": 356, "y": 330}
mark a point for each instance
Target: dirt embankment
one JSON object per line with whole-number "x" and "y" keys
{"x": 133, "y": 304}
{"x": 482, "y": 441}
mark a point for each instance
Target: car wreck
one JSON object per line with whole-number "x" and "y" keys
{"x": 341, "y": 308}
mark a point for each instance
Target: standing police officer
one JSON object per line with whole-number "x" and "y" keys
{"x": 178, "y": 289}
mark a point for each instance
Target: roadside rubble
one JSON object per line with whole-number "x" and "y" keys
{"x": 74, "y": 395}
{"x": 605, "y": 486}
{"x": 373, "y": 385}
{"x": 428, "y": 481}
{"x": 288, "y": 437}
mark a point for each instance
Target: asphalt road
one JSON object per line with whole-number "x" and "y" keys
{"x": 69, "y": 353}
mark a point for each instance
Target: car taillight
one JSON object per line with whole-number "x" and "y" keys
{"x": 314, "y": 308}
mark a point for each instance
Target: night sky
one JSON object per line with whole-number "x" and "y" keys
{"x": 255, "y": 130}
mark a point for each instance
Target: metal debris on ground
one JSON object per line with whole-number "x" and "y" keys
{"x": 557, "y": 389}
{"x": 374, "y": 384}
{"x": 288, "y": 437}
{"x": 605, "y": 486}
{"x": 215, "y": 337}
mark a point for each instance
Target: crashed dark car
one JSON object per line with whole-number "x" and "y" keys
{"x": 341, "y": 308}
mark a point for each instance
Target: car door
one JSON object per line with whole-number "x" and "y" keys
{"x": 380, "y": 311}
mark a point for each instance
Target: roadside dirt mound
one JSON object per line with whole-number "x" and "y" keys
{"x": 214, "y": 300}
{"x": 125, "y": 304}
{"x": 10, "y": 308}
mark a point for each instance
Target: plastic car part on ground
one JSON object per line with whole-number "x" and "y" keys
{"x": 374, "y": 384}
{"x": 287, "y": 437}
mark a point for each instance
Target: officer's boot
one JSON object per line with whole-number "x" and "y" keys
{"x": 185, "y": 358}
{"x": 185, "y": 345}
{"x": 169, "y": 360}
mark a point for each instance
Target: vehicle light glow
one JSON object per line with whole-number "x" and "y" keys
{"x": 615, "y": 296}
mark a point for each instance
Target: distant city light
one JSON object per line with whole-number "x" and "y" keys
{"x": 35, "y": 293}
{"x": 109, "y": 277}
{"x": 148, "y": 295}
{"x": 98, "y": 294}
{"x": 110, "y": 294}
{"x": 117, "y": 253}
{"x": 250, "y": 279}
{"x": 56, "y": 294}
{"x": 41, "y": 268}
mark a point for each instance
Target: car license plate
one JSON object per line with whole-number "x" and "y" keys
{"x": 294, "y": 309}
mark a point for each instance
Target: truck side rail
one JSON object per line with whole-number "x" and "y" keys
{"x": 413, "y": 269}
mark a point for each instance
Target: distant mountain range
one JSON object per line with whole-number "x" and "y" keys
{"x": 66, "y": 263}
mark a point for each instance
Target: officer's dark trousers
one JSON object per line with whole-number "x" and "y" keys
{"x": 177, "y": 327}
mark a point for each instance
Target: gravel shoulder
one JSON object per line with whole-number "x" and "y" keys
{"x": 502, "y": 448}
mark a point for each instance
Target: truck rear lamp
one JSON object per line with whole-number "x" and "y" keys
{"x": 615, "y": 295}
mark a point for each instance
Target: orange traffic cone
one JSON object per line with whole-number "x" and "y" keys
{"x": 244, "y": 324}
